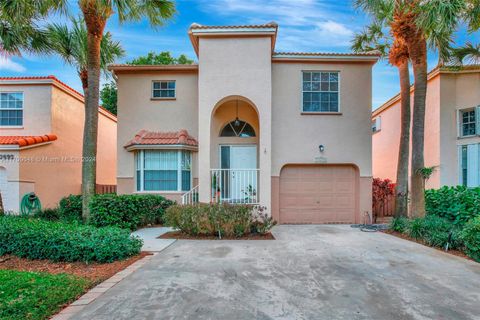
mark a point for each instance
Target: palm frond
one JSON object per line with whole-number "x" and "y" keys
{"x": 469, "y": 53}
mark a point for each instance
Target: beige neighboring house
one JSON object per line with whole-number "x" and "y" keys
{"x": 290, "y": 131}
{"x": 41, "y": 133}
{"x": 452, "y": 129}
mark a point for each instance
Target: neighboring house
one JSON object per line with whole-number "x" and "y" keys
{"x": 41, "y": 133}
{"x": 290, "y": 131}
{"x": 452, "y": 129}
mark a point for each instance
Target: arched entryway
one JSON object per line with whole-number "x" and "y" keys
{"x": 234, "y": 153}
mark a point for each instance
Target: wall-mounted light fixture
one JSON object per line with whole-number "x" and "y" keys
{"x": 321, "y": 148}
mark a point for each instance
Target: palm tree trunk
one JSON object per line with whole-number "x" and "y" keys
{"x": 83, "y": 74}
{"x": 418, "y": 54}
{"x": 95, "y": 25}
{"x": 401, "y": 189}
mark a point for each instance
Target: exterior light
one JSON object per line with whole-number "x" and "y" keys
{"x": 237, "y": 121}
{"x": 321, "y": 148}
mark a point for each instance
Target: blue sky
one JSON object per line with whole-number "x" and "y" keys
{"x": 304, "y": 25}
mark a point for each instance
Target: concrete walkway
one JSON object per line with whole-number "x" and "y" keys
{"x": 309, "y": 272}
{"x": 150, "y": 241}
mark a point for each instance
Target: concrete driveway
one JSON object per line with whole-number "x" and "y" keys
{"x": 309, "y": 272}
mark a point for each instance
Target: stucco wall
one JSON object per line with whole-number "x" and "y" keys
{"x": 137, "y": 111}
{"x": 36, "y": 110}
{"x": 231, "y": 67}
{"x": 10, "y": 180}
{"x": 346, "y": 137}
{"x": 107, "y": 149}
{"x": 458, "y": 91}
{"x": 385, "y": 143}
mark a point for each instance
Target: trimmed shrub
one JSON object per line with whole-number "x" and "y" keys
{"x": 50, "y": 214}
{"x": 458, "y": 204}
{"x": 219, "y": 219}
{"x": 435, "y": 231}
{"x": 400, "y": 224}
{"x": 124, "y": 211}
{"x": 127, "y": 211}
{"x": 70, "y": 208}
{"x": 471, "y": 238}
{"x": 39, "y": 239}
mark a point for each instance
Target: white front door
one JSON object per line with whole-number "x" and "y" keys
{"x": 241, "y": 162}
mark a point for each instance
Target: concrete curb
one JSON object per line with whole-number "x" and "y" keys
{"x": 100, "y": 289}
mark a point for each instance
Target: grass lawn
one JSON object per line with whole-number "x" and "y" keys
{"x": 36, "y": 295}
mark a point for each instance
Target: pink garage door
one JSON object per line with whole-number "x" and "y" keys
{"x": 318, "y": 194}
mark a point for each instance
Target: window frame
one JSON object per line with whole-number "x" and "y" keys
{"x": 14, "y": 109}
{"x": 152, "y": 89}
{"x": 377, "y": 124}
{"x": 140, "y": 156}
{"x": 339, "y": 109}
{"x": 461, "y": 123}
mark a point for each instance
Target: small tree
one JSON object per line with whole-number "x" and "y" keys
{"x": 162, "y": 58}
{"x": 108, "y": 95}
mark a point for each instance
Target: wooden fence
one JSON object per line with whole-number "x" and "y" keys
{"x": 385, "y": 208}
{"x": 105, "y": 188}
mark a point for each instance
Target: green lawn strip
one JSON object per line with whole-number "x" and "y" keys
{"x": 36, "y": 295}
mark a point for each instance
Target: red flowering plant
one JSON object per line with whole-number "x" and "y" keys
{"x": 382, "y": 189}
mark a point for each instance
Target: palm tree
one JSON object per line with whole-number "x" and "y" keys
{"x": 71, "y": 46}
{"x": 20, "y": 25}
{"x": 96, "y": 13}
{"x": 469, "y": 53}
{"x": 373, "y": 38}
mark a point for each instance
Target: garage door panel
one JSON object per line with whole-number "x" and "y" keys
{"x": 317, "y": 194}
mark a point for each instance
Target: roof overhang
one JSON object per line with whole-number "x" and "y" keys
{"x": 195, "y": 32}
{"x": 174, "y": 68}
{"x": 161, "y": 147}
{"x": 324, "y": 57}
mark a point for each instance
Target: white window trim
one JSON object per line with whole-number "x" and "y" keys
{"x": 339, "y": 111}
{"x": 163, "y": 98}
{"x": 20, "y": 126}
{"x": 141, "y": 153}
{"x": 378, "y": 124}
{"x": 460, "y": 122}
{"x": 473, "y": 165}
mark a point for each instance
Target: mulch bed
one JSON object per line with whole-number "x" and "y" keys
{"x": 183, "y": 236}
{"x": 95, "y": 272}
{"x": 454, "y": 252}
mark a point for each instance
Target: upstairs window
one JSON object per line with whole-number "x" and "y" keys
{"x": 320, "y": 91}
{"x": 11, "y": 108}
{"x": 238, "y": 128}
{"x": 163, "y": 89}
{"x": 468, "y": 122}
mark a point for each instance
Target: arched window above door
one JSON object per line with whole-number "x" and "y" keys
{"x": 238, "y": 128}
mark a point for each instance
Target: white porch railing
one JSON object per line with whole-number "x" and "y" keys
{"x": 234, "y": 185}
{"x": 191, "y": 196}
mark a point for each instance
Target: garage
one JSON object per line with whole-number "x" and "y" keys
{"x": 314, "y": 194}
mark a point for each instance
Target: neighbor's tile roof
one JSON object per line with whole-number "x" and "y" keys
{"x": 145, "y": 137}
{"x": 250, "y": 26}
{"x": 368, "y": 54}
{"x": 50, "y": 77}
{"x": 23, "y": 141}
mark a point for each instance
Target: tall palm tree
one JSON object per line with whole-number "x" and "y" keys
{"x": 96, "y": 14}
{"x": 71, "y": 45}
{"x": 373, "y": 38}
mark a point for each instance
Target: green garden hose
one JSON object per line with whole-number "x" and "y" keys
{"x": 30, "y": 204}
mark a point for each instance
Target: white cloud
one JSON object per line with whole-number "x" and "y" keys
{"x": 10, "y": 65}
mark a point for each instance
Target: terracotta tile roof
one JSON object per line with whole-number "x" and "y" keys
{"x": 272, "y": 24}
{"x": 23, "y": 141}
{"x": 348, "y": 54}
{"x": 145, "y": 137}
{"x": 50, "y": 77}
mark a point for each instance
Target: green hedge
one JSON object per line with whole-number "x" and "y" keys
{"x": 471, "y": 237}
{"x": 458, "y": 204}
{"x": 57, "y": 241}
{"x": 123, "y": 211}
{"x": 219, "y": 219}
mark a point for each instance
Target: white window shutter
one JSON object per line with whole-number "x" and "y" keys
{"x": 378, "y": 121}
{"x": 477, "y": 119}
{"x": 460, "y": 171}
{"x": 472, "y": 165}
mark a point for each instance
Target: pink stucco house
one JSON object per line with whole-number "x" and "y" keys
{"x": 41, "y": 133}
{"x": 247, "y": 124}
{"x": 452, "y": 129}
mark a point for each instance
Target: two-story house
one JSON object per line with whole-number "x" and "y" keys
{"x": 290, "y": 131}
{"x": 41, "y": 134}
{"x": 452, "y": 129}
